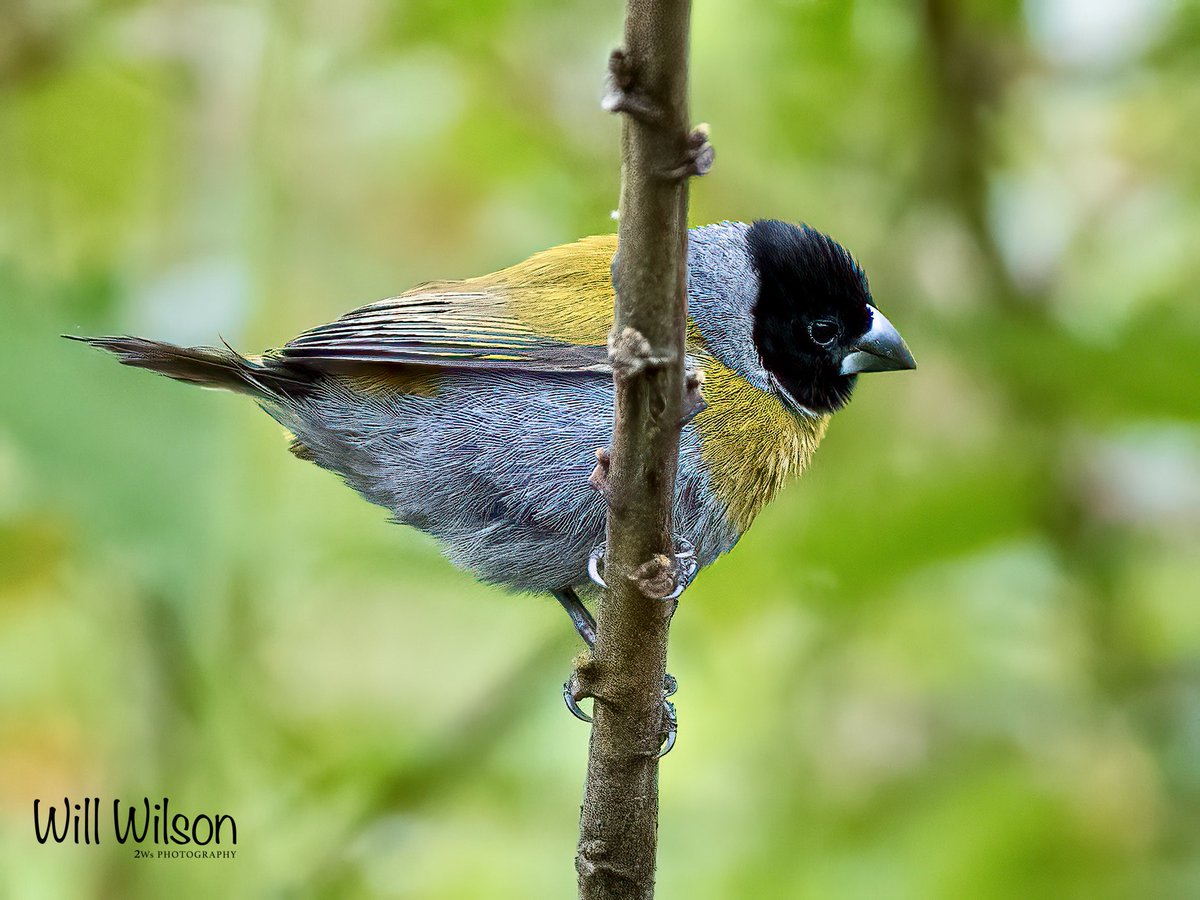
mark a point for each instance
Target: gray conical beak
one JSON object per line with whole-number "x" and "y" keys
{"x": 881, "y": 349}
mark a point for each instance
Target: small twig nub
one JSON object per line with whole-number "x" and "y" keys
{"x": 624, "y": 95}
{"x": 693, "y": 396}
{"x": 630, "y": 353}
{"x": 656, "y": 577}
{"x": 582, "y": 683}
{"x": 698, "y": 157}
{"x": 599, "y": 477}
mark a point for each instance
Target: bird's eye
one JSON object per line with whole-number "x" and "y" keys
{"x": 823, "y": 332}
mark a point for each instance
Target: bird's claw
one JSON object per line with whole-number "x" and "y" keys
{"x": 671, "y": 721}
{"x": 572, "y": 696}
{"x": 594, "y": 560}
{"x": 572, "y": 701}
{"x": 686, "y": 566}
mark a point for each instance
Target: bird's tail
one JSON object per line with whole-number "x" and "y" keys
{"x": 215, "y": 367}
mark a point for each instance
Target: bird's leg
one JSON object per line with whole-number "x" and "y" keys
{"x": 585, "y": 627}
{"x": 581, "y": 616}
{"x": 575, "y": 688}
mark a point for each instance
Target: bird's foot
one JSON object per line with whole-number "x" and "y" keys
{"x": 575, "y": 690}
{"x": 686, "y": 566}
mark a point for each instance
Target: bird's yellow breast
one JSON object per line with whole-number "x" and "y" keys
{"x": 751, "y": 444}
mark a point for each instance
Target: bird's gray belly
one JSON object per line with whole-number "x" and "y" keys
{"x": 495, "y": 467}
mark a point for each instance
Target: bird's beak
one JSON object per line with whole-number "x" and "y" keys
{"x": 881, "y": 349}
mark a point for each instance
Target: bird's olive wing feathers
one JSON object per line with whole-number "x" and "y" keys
{"x": 550, "y": 313}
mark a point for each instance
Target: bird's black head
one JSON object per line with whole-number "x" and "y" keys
{"x": 815, "y": 325}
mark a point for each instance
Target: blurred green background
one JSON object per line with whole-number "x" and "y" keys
{"x": 959, "y": 659}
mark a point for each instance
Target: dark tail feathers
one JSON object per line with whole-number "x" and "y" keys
{"x": 217, "y": 367}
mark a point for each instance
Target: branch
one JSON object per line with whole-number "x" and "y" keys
{"x": 648, "y": 83}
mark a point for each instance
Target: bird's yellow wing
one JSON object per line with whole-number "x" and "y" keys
{"x": 550, "y": 313}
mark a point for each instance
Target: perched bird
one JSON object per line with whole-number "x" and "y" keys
{"x": 473, "y": 409}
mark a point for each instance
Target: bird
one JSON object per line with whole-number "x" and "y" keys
{"x": 473, "y": 410}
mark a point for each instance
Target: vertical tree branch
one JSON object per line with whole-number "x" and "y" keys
{"x": 619, "y": 821}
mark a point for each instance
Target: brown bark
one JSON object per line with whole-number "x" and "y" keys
{"x": 619, "y": 821}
